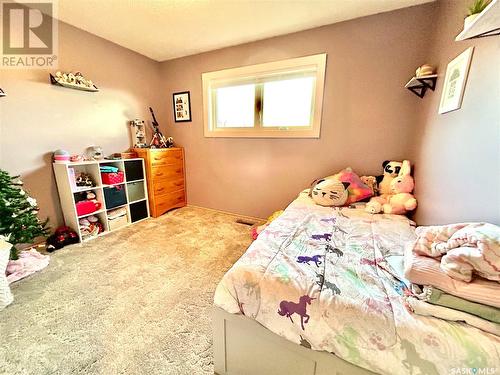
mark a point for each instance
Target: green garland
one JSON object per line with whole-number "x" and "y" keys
{"x": 19, "y": 223}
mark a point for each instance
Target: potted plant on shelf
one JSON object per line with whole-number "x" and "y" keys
{"x": 475, "y": 10}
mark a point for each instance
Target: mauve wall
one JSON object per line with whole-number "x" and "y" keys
{"x": 457, "y": 154}
{"x": 36, "y": 118}
{"x": 367, "y": 114}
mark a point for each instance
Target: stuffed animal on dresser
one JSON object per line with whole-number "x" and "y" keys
{"x": 400, "y": 200}
{"x": 329, "y": 192}
{"x": 391, "y": 170}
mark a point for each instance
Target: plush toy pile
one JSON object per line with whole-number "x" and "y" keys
{"x": 397, "y": 197}
{"x": 390, "y": 192}
{"x": 90, "y": 226}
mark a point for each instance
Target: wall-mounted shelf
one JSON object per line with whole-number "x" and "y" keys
{"x": 75, "y": 86}
{"x": 486, "y": 24}
{"x": 419, "y": 85}
{"x": 2, "y": 93}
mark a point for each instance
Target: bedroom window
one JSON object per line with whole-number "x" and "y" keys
{"x": 273, "y": 100}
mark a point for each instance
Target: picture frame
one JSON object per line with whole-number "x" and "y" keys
{"x": 454, "y": 82}
{"x": 182, "y": 106}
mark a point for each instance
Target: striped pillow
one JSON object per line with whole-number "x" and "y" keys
{"x": 423, "y": 270}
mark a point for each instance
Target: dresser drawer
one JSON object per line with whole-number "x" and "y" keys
{"x": 167, "y": 172}
{"x": 168, "y": 186}
{"x": 166, "y": 157}
{"x": 167, "y": 201}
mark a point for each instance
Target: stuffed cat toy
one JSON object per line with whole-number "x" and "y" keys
{"x": 391, "y": 170}
{"x": 400, "y": 200}
{"x": 329, "y": 192}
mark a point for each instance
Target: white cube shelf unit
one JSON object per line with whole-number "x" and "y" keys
{"x": 131, "y": 194}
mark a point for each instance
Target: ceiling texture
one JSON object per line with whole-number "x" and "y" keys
{"x": 167, "y": 29}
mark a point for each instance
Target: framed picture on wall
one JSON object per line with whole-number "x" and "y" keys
{"x": 454, "y": 82}
{"x": 182, "y": 106}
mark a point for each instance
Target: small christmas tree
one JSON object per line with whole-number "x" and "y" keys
{"x": 19, "y": 222}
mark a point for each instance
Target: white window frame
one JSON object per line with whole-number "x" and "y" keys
{"x": 317, "y": 63}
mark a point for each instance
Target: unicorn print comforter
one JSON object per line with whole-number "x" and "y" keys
{"x": 318, "y": 276}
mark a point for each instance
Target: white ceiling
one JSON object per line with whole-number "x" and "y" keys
{"x": 166, "y": 29}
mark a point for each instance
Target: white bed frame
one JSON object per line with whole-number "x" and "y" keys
{"x": 244, "y": 347}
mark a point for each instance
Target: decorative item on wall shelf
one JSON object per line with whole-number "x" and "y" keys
{"x": 483, "y": 20}
{"x": 2, "y": 93}
{"x": 73, "y": 81}
{"x": 454, "y": 82}
{"x": 425, "y": 78}
{"x": 182, "y": 106}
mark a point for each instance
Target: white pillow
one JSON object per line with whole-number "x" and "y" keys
{"x": 6, "y": 296}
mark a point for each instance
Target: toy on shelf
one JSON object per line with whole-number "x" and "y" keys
{"x": 73, "y": 81}
{"x": 94, "y": 153}
{"x": 90, "y": 226}
{"x": 139, "y": 133}
{"x": 83, "y": 180}
{"x": 76, "y": 158}
{"x": 61, "y": 156}
{"x": 399, "y": 200}
{"x": 62, "y": 236}
{"x": 159, "y": 140}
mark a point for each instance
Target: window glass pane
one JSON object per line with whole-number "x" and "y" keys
{"x": 235, "y": 106}
{"x": 288, "y": 102}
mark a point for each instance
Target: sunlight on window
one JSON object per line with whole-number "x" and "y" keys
{"x": 288, "y": 103}
{"x": 235, "y": 106}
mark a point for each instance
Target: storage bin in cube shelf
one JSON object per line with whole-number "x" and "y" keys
{"x": 115, "y": 196}
{"x": 112, "y": 178}
{"x": 117, "y": 218}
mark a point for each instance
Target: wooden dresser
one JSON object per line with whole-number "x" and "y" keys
{"x": 166, "y": 182}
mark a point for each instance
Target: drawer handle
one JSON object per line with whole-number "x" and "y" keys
{"x": 160, "y": 189}
{"x": 178, "y": 183}
{"x": 157, "y": 158}
{"x": 159, "y": 174}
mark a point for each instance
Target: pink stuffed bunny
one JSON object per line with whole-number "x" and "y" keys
{"x": 400, "y": 200}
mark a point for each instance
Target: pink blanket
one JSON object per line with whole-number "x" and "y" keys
{"x": 29, "y": 262}
{"x": 465, "y": 249}
{"x": 423, "y": 270}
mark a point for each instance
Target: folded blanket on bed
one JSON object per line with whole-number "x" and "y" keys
{"x": 423, "y": 308}
{"x": 464, "y": 249}
{"x": 423, "y": 270}
{"x": 436, "y": 296}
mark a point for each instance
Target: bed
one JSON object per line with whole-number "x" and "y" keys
{"x": 327, "y": 279}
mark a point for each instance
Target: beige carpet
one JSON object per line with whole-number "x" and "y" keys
{"x": 137, "y": 301}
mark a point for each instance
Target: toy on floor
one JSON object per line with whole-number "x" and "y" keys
{"x": 391, "y": 170}
{"x": 257, "y": 230}
{"x": 329, "y": 192}
{"x": 62, "y": 236}
{"x": 400, "y": 200}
